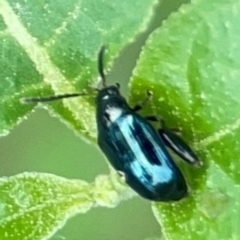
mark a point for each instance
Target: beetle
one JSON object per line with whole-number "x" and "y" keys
{"x": 135, "y": 149}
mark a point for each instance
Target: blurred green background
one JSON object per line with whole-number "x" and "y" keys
{"x": 43, "y": 144}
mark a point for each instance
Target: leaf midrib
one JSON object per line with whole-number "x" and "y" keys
{"x": 51, "y": 73}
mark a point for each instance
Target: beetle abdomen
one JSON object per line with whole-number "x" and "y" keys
{"x": 134, "y": 147}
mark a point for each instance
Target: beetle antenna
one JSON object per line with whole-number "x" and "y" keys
{"x": 51, "y": 98}
{"x": 70, "y": 95}
{"x": 101, "y": 66}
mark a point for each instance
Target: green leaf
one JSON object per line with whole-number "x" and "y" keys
{"x": 46, "y": 48}
{"x": 50, "y": 47}
{"x": 192, "y": 65}
{"x": 154, "y": 238}
{"x": 36, "y": 205}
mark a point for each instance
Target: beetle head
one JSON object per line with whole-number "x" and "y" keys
{"x": 108, "y": 92}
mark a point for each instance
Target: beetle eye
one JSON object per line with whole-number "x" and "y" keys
{"x": 112, "y": 92}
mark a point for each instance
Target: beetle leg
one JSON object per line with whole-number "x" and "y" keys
{"x": 118, "y": 85}
{"x": 163, "y": 125}
{"x": 156, "y": 119}
{"x": 175, "y": 142}
{"x": 139, "y": 106}
{"x": 179, "y": 146}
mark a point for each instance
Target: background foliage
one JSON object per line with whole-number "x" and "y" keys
{"x": 192, "y": 65}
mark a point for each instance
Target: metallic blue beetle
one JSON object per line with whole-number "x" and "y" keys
{"x": 133, "y": 147}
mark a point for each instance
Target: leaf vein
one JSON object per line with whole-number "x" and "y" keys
{"x": 58, "y": 31}
{"x": 51, "y": 74}
{"x": 41, "y": 207}
{"x": 226, "y": 130}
